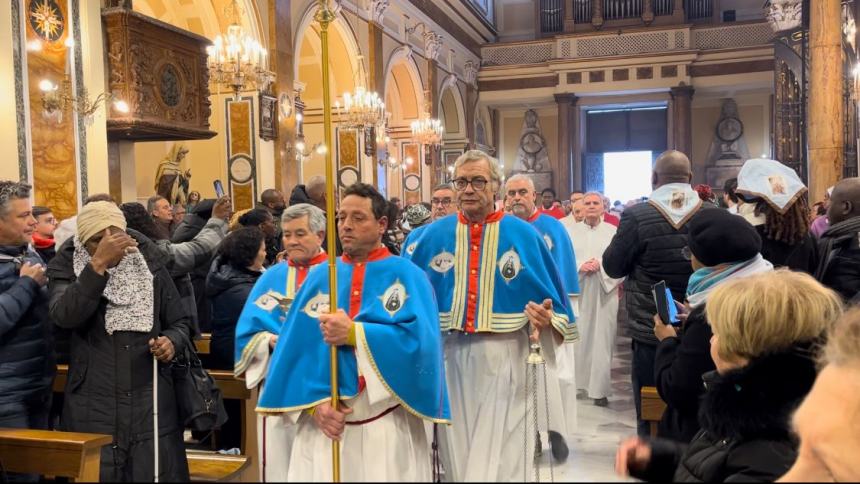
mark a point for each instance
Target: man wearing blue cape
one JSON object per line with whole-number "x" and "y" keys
{"x": 257, "y": 331}
{"x": 442, "y": 205}
{"x": 521, "y": 201}
{"x": 390, "y": 369}
{"x": 493, "y": 276}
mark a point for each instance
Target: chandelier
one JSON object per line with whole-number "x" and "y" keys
{"x": 361, "y": 109}
{"x": 237, "y": 60}
{"x": 426, "y": 130}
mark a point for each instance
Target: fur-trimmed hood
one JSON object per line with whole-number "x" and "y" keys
{"x": 757, "y": 401}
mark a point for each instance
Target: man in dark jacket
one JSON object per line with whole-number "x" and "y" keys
{"x": 839, "y": 266}
{"x": 648, "y": 248}
{"x": 313, "y": 192}
{"x": 26, "y": 348}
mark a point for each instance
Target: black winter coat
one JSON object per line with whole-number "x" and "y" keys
{"x": 109, "y": 387}
{"x": 839, "y": 259}
{"x": 678, "y": 369}
{"x": 647, "y": 249}
{"x": 26, "y": 344}
{"x": 227, "y": 289}
{"x": 190, "y": 226}
{"x": 746, "y": 424}
{"x": 802, "y": 256}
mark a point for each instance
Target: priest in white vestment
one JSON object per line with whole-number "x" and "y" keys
{"x": 598, "y": 302}
{"x": 303, "y": 229}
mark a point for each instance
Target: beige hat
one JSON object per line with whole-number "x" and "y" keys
{"x": 97, "y": 216}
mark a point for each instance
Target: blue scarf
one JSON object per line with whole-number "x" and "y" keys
{"x": 704, "y": 280}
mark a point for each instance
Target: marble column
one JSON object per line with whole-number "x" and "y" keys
{"x": 433, "y": 156}
{"x": 682, "y": 118}
{"x": 563, "y": 166}
{"x": 826, "y": 111}
{"x": 281, "y": 63}
{"x": 375, "y": 75}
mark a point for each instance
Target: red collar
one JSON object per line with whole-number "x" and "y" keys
{"x": 376, "y": 254}
{"x": 491, "y": 218}
{"x": 534, "y": 216}
{"x": 318, "y": 259}
{"x": 42, "y": 242}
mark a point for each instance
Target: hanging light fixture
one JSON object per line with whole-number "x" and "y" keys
{"x": 236, "y": 60}
{"x": 426, "y": 130}
{"x": 361, "y": 108}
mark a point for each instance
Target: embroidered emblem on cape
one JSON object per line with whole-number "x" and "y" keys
{"x": 509, "y": 265}
{"x": 271, "y": 300}
{"x": 548, "y": 241}
{"x": 777, "y": 184}
{"x": 443, "y": 262}
{"x": 411, "y": 248}
{"x": 393, "y": 298}
{"x": 679, "y": 199}
{"x": 317, "y": 305}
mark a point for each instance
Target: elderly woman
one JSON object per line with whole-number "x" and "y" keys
{"x": 110, "y": 287}
{"x": 766, "y": 328}
{"x": 721, "y": 247}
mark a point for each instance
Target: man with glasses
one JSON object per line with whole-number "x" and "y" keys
{"x": 493, "y": 275}
{"x": 442, "y": 204}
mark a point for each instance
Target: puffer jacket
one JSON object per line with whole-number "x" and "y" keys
{"x": 26, "y": 344}
{"x": 746, "y": 424}
{"x": 189, "y": 228}
{"x": 647, "y": 249}
{"x": 183, "y": 258}
{"x": 109, "y": 388}
{"x": 839, "y": 259}
{"x": 227, "y": 289}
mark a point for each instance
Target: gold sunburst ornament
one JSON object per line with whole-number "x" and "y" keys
{"x": 46, "y": 19}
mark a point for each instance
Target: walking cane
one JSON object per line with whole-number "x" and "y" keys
{"x": 155, "y": 414}
{"x": 325, "y": 16}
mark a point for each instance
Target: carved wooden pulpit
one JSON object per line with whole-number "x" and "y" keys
{"x": 160, "y": 71}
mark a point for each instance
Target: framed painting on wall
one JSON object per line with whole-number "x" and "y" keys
{"x": 268, "y": 117}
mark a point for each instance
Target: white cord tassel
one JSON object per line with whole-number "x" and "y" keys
{"x": 155, "y": 414}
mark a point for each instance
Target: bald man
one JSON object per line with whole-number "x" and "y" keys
{"x": 839, "y": 263}
{"x": 648, "y": 248}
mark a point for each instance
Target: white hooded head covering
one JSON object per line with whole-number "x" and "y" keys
{"x": 770, "y": 180}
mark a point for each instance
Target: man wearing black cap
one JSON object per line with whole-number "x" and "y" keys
{"x": 721, "y": 247}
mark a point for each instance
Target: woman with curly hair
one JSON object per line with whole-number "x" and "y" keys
{"x": 774, "y": 200}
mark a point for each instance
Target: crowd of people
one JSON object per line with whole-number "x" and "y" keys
{"x": 438, "y": 307}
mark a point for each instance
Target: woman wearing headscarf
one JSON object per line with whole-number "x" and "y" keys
{"x": 721, "y": 247}
{"x": 774, "y": 201}
{"x": 110, "y": 287}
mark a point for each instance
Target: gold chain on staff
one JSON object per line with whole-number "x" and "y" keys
{"x": 325, "y": 16}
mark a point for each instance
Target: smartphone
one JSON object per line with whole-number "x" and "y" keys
{"x": 665, "y": 303}
{"x": 219, "y": 188}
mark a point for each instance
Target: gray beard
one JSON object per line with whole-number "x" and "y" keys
{"x": 520, "y": 211}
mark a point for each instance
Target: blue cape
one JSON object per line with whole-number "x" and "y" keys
{"x": 561, "y": 248}
{"x": 514, "y": 267}
{"x": 397, "y": 324}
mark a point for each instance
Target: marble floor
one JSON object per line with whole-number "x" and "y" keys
{"x": 600, "y": 429}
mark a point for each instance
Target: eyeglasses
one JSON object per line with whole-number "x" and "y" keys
{"x": 686, "y": 253}
{"x": 477, "y": 183}
{"x": 441, "y": 201}
{"x": 522, "y": 192}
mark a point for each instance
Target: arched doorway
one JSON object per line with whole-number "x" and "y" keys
{"x": 344, "y": 65}
{"x": 406, "y": 176}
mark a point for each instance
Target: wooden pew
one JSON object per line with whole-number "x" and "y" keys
{"x": 204, "y": 343}
{"x": 206, "y": 465}
{"x": 652, "y": 408}
{"x": 65, "y": 454}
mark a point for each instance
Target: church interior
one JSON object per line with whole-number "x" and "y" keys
{"x": 102, "y": 96}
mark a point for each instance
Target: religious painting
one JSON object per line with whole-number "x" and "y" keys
{"x": 777, "y": 184}
{"x": 268, "y": 117}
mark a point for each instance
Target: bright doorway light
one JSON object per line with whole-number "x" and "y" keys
{"x": 626, "y": 175}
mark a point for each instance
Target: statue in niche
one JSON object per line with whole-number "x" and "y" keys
{"x": 172, "y": 179}
{"x": 532, "y": 153}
